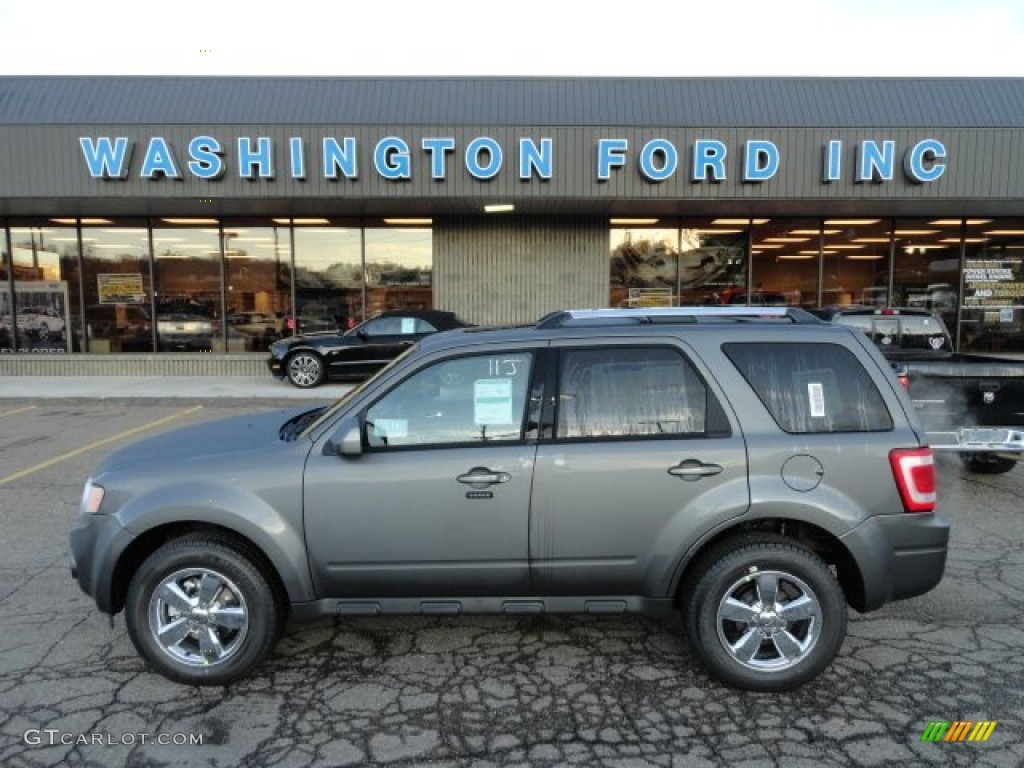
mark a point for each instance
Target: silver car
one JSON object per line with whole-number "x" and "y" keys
{"x": 703, "y": 460}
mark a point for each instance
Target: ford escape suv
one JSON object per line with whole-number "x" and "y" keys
{"x": 754, "y": 468}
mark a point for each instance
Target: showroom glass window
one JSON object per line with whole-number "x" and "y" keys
{"x": 257, "y": 268}
{"x": 45, "y": 264}
{"x": 117, "y": 290}
{"x": 713, "y": 261}
{"x": 855, "y": 262}
{"x": 399, "y": 268}
{"x": 993, "y": 286}
{"x": 643, "y": 265}
{"x": 926, "y": 269}
{"x": 328, "y": 278}
{"x": 784, "y": 255}
{"x": 187, "y": 269}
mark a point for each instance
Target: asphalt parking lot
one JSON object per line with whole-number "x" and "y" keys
{"x": 483, "y": 691}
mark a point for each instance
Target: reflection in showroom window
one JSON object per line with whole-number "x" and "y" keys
{"x": 464, "y": 400}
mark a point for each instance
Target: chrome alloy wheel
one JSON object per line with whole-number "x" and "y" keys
{"x": 304, "y": 369}
{"x": 769, "y": 620}
{"x": 198, "y": 617}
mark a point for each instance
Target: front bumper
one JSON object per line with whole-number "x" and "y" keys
{"x": 276, "y": 367}
{"x": 1004, "y": 442}
{"x": 898, "y": 556}
{"x": 96, "y": 544}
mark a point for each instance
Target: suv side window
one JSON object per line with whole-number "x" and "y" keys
{"x": 464, "y": 400}
{"x": 812, "y": 387}
{"x": 618, "y": 392}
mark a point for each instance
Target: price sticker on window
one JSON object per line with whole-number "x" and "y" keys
{"x": 816, "y": 399}
{"x": 492, "y": 401}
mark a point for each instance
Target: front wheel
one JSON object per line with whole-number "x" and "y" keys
{"x": 986, "y": 463}
{"x": 305, "y": 370}
{"x": 201, "y": 611}
{"x": 764, "y": 613}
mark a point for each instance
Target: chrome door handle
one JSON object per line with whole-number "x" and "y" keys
{"x": 482, "y": 477}
{"x": 694, "y": 469}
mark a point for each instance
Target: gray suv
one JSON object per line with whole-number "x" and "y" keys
{"x": 754, "y": 468}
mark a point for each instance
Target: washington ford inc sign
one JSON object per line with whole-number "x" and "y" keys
{"x": 394, "y": 159}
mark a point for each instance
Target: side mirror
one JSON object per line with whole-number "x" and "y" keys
{"x": 347, "y": 440}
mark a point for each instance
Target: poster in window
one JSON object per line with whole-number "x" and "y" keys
{"x": 41, "y": 317}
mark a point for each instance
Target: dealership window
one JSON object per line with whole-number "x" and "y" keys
{"x": 926, "y": 267}
{"x": 398, "y": 268}
{"x": 328, "y": 278}
{"x": 257, "y": 270}
{"x": 713, "y": 261}
{"x": 644, "y": 266}
{"x": 855, "y": 262}
{"x": 187, "y": 269}
{"x": 44, "y": 260}
{"x": 116, "y": 288}
{"x": 993, "y": 286}
{"x": 784, "y": 261}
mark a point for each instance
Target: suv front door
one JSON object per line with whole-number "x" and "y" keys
{"x": 643, "y": 456}
{"x": 438, "y": 502}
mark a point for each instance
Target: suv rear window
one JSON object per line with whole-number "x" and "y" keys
{"x": 812, "y": 387}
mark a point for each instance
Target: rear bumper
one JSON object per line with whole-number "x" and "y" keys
{"x": 1005, "y": 442}
{"x": 898, "y": 556}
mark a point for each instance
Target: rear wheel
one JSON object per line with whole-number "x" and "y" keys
{"x": 764, "y": 613}
{"x": 305, "y": 370}
{"x": 201, "y": 611}
{"x": 986, "y": 463}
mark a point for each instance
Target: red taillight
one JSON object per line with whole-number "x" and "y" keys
{"x": 904, "y": 381}
{"x": 914, "y": 470}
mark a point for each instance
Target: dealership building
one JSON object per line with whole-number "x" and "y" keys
{"x": 154, "y": 217}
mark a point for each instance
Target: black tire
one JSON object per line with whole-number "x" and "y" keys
{"x": 986, "y": 463}
{"x": 225, "y": 609}
{"x": 738, "y": 567}
{"x": 305, "y": 369}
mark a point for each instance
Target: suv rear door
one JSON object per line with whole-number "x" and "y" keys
{"x": 642, "y": 456}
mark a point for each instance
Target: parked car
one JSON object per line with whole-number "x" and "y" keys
{"x": 969, "y": 404}
{"x": 184, "y": 326}
{"x": 706, "y": 460}
{"x": 309, "y": 359}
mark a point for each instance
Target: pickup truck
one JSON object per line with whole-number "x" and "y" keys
{"x": 969, "y": 404}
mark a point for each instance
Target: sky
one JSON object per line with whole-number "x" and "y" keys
{"x": 637, "y": 38}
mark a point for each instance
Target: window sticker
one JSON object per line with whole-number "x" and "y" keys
{"x": 816, "y": 399}
{"x": 492, "y": 401}
{"x": 408, "y": 325}
{"x": 391, "y": 427}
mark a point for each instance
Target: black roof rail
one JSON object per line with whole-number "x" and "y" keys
{"x": 666, "y": 315}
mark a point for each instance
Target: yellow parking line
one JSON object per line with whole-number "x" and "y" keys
{"x": 18, "y": 410}
{"x": 97, "y": 444}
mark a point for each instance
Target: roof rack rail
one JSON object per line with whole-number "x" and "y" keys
{"x": 665, "y": 315}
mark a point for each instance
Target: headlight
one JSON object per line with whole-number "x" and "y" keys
{"x": 92, "y": 497}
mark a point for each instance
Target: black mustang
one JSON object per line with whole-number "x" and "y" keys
{"x": 307, "y": 360}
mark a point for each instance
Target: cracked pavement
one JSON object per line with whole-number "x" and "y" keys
{"x": 491, "y": 691}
